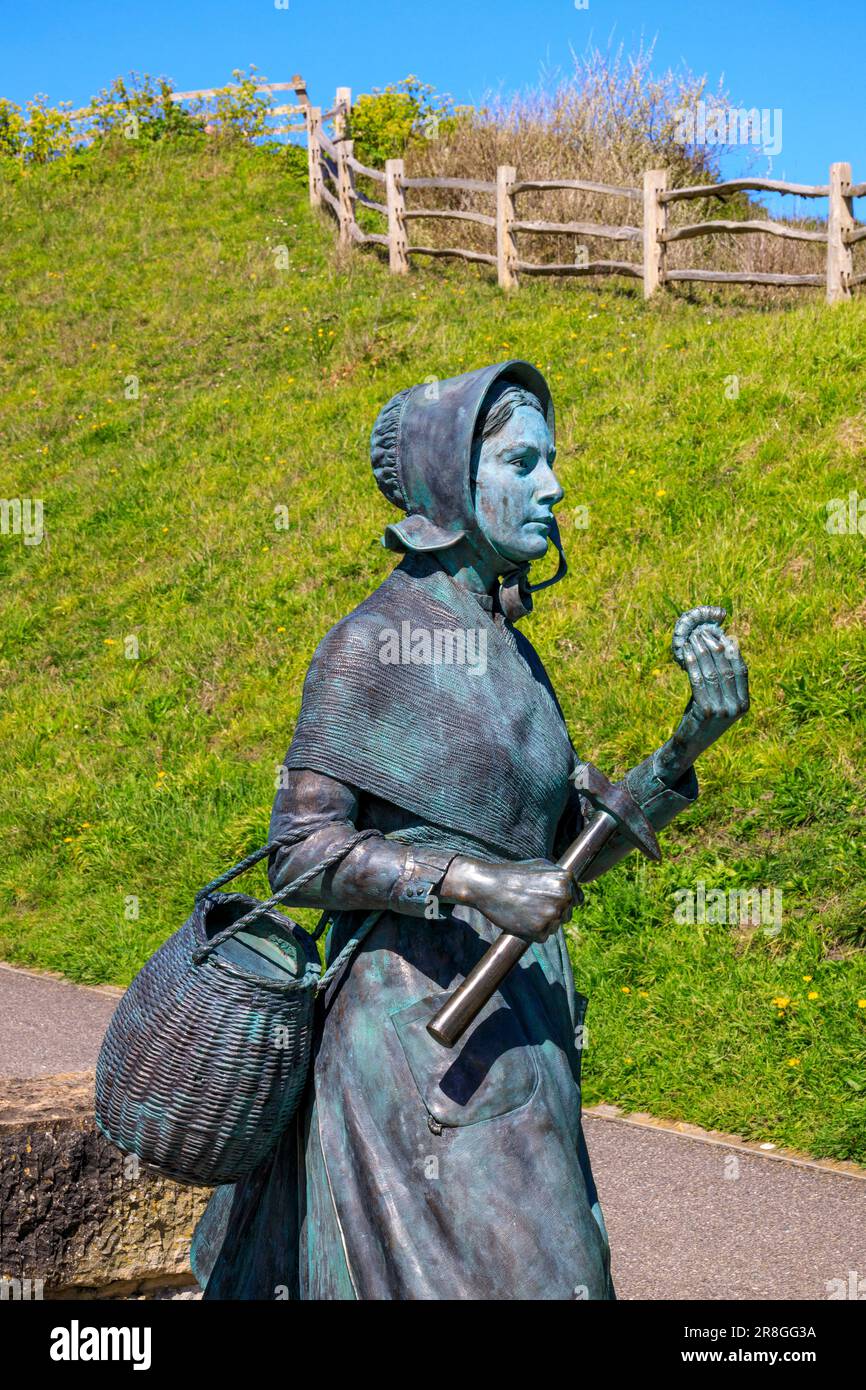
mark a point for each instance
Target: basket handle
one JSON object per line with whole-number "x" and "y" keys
{"x": 201, "y": 953}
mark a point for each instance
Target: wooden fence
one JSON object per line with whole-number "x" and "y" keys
{"x": 332, "y": 176}
{"x": 86, "y": 116}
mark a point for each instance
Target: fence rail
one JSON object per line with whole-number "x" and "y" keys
{"x": 297, "y": 85}
{"x": 334, "y": 158}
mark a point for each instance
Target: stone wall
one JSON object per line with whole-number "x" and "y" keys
{"x": 77, "y": 1217}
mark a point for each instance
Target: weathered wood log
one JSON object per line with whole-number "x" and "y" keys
{"x": 654, "y": 229}
{"x": 851, "y": 238}
{"x": 721, "y": 190}
{"x": 591, "y": 268}
{"x": 328, "y": 197}
{"x": 779, "y": 229}
{"x": 459, "y": 214}
{"x": 314, "y": 155}
{"x": 366, "y": 170}
{"x": 398, "y": 260}
{"x": 366, "y": 202}
{"x": 506, "y": 246}
{"x": 327, "y": 144}
{"x": 470, "y": 185}
{"x": 840, "y": 224}
{"x": 583, "y": 185}
{"x": 742, "y": 277}
{"x": 596, "y": 229}
{"x": 346, "y": 192}
{"x": 233, "y": 87}
{"x": 342, "y": 107}
{"x": 452, "y": 251}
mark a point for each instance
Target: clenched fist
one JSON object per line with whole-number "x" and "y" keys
{"x": 530, "y": 900}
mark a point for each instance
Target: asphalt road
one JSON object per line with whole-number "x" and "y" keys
{"x": 688, "y": 1217}
{"x": 693, "y": 1218}
{"x": 49, "y": 1026}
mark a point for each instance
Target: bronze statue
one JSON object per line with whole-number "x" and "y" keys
{"x": 416, "y": 1170}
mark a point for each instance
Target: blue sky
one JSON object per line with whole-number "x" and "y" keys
{"x": 799, "y": 56}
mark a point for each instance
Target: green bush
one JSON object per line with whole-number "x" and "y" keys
{"x": 384, "y": 124}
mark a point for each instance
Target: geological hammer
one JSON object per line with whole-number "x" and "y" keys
{"x": 615, "y": 810}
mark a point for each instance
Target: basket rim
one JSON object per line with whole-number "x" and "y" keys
{"x": 311, "y": 974}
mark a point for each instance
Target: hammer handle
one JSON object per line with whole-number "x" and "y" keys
{"x": 449, "y": 1024}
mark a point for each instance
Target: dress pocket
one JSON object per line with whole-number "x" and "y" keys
{"x": 490, "y": 1072}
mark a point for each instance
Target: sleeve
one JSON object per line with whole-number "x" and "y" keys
{"x": 659, "y": 802}
{"x": 320, "y": 813}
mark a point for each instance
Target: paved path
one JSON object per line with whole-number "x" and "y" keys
{"x": 679, "y": 1228}
{"x": 48, "y": 1026}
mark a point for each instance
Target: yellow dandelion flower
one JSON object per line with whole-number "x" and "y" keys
{"x": 67, "y": 839}
{"x": 861, "y": 1003}
{"x": 813, "y": 994}
{"x": 793, "y": 1061}
{"x": 628, "y": 1061}
{"x": 626, "y": 990}
{"x": 807, "y": 978}
{"x": 662, "y": 492}
{"x": 281, "y": 629}
{"x": 109, "y": 641}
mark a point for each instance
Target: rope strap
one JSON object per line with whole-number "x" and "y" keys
{"x": 201, "y": 953}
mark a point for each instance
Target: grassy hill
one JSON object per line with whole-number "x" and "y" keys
{"x": 165, "y": 386}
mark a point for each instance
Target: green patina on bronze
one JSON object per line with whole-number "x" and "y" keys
{"x": 413, "y": 1171}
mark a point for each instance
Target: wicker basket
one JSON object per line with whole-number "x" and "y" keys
{"x": 205, "y": 1060}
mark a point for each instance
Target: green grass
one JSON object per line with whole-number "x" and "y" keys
{"x": 141, "y": 778}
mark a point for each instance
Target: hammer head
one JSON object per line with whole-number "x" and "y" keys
{"x": 620, "y": 805}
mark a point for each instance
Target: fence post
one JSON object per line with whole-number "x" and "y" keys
{"x": 346, "y": 191}
{"x": 655, "y": 225}
{"x": 506, "y": 249}
{"x": 398, "y": 258}
{"x": 342, "y": 106}
{"x": 314, "y": 154}
{"x": 840, "y": 221}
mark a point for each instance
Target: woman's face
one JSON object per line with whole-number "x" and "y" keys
{"x": 515, "y": 486}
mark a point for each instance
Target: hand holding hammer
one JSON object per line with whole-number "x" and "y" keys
{"x": 719, "y": 696}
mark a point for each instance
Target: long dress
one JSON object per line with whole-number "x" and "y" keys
{"x": 413, "y": 1171}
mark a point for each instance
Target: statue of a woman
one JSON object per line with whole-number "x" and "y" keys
{"x": 415, "y": 1171}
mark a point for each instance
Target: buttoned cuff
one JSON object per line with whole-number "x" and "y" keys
{"x": 659, "y": 802}
{"x": 415, "y": 891}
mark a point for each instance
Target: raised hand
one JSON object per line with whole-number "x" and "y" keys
{"x": 719, "y": 685}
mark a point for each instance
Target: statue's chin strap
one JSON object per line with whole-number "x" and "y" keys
{"x": 515, "y": 591}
